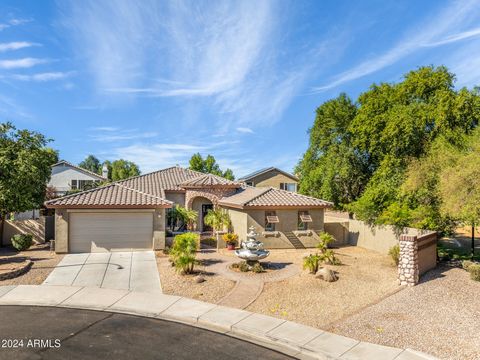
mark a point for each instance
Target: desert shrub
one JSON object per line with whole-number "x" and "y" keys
{"x": 474, "y": 270}
{"x": 22, "y": 242}
{"x": 230, "y": 238}
{"x": 257, "y": 268}
{"x": 243, "y": 267}
{"x": 394, "y": 253}
{"x": 184, "y": 251}
{"x": 311, "y": 262}
{"x": 466, "y": 264}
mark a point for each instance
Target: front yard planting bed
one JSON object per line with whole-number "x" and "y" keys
{"x": 43, "y": 261}
{"x": 364, "y": 278}
{"x": 213, "y": 289}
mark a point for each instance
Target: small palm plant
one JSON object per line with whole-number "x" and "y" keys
{"x": 218, "y": 219}
{"x": 311, "y": 263}
{"x": 327, "y": 255}
{"x": 189, "y": 217}
{"x": 184, "y": 251}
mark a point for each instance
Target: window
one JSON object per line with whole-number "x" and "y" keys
{"x": 303, "y": 219}
{"x": 271, "y": 219}
{"x": 249, "y": 183}
{"x": 83, "y": 184}
{"x": 289, "y": 187}
{"x": 74, "y": 184}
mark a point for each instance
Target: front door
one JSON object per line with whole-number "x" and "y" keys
{"x": 205, "y": 208}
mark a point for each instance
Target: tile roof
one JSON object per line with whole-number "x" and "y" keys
{"x": 167, "y": 179}
{"x": 112, "y": 195}
{"x": 210, "y": 180}
{"x": 264, "y": 170}
{"x": 271, "y": 197}
{"x": 80, "y": 169}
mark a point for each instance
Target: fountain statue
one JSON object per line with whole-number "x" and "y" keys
{"x": 252, "y": 250}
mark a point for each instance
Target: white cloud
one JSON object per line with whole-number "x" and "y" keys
{"x": 13, "y": 22}
{"x": 223, "y": 53}
{"x": 40, "y": 77}
{"x": 440, "y": 30}
{"x": 16, "y": 45}
{"x": 21, "y": 63}
{"x": 244, "y": 130}
{"x": 112, "y": 134}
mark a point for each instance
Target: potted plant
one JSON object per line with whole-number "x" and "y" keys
{"x": 231, "y": 240}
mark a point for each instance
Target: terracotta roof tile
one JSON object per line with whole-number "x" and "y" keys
{"x": 113, "y": 195}
{"x": 210, "y": 180}
{"x": 271, "y": 197}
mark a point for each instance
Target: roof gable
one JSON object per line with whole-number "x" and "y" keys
{"x": 209, "y": 180}
{"x": 266, "y": 170}
{"x": 78, "y": 168}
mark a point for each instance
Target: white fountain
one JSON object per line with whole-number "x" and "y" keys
{"x": 252, "y": 250}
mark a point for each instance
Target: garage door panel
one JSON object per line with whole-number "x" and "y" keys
{"x": 100, "y": 232}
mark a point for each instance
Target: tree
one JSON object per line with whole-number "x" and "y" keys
{"x": 209, "y": 166}
{"x": 92, "y": 164}
{"x": 25, "y": 168}
{"x": 218, "y": 219}
{"x": 123, "y": 169}
{"x": 360, "y": 152}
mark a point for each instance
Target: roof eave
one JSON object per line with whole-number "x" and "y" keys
{"x": 165, "y": 206}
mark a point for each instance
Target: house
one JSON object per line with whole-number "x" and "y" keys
{"x": 132, "y": 213}
{"x": 66, "y": 177}
{"x": 273, "y": 177}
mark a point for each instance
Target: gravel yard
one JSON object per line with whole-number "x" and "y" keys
{"x": 213, "y": 289}
{"x": 440, "y": 316}
{"x": 43, "y": 263}
{"x": 364, "y": 278}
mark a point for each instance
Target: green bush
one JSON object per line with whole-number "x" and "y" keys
{"x": 243, "y": 267}
{"x": 184, "y": 251}
{"x": 466, "y": 264}
{"x": 257, "y": 268}
{"x": 22, "y": 242}
{"x": 474, "y": 270}
{"x": 311, "y": 262}
{"x": 394, "y": 253}
{"x": 230, "y": 238}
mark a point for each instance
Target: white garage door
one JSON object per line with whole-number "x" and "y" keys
{"x": 100, "y": 232}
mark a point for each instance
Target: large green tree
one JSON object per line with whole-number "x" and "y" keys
{"x": 209, "y": 166}
{"x": 123, "y": 169}
{"x": 25, "y": 168}
{"x": 92, "y": 164}
{"x": 359, "y": 152}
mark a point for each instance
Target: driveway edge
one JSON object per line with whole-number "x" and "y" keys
{"x": 287, "y": 337}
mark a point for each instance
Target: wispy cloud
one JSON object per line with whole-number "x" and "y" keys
{"x": 244, "y": 130}
{"x": 13, "y": 22}
{"x": 21, "y": 63}
{"x": 222, "y": 53}
{"x": 112, "y": 134}
{"x": 441, "y": 29}
{"x": 40, "y": 77}
{"x": 16, "y": 45}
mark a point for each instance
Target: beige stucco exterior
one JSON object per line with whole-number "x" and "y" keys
{"x": 243, "y": 219}
{"x": 271, "y": 178}
{"x": 62, "y": 218}
{"x": 176, "y": 197}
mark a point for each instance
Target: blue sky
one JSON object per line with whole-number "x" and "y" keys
{"x": 156, "y": 81}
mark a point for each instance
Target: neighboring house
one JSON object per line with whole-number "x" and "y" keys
{"x": 66, "y": 177}
{"x": 273, "y": 177}
{"x": 131, "y": 213}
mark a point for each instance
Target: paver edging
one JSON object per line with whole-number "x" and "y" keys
{"x": 228, "y": 328}
{"x": 17, "y": 272}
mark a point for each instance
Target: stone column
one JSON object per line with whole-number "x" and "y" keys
{"x": 408, "y": 260}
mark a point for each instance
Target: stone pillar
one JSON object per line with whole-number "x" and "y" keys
{"x": 408, "y": 260}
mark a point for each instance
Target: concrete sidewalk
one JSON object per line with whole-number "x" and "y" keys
{"x": 287, "y": 337}
{"x": 131, "y": 270}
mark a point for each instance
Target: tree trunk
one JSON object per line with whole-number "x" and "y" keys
{"x": 2, "y": 225}
{"x": 473, "y": 240}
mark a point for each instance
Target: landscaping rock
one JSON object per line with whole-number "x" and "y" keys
{"x": 327, "y": 275}
{"x": 199, "y": 279}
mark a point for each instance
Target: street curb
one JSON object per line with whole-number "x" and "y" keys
{"x": 283, "y": 336}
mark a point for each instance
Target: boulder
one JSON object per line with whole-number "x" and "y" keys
{"x": 199, "y": 279}
{"x": 327, "y": 275}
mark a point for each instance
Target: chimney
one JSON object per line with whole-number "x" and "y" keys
{"x": 105, "y": 171}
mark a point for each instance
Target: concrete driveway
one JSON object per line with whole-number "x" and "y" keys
{"x": 133, "y": 270}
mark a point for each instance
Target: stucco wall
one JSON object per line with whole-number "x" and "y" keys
{"x": 61, "y": 231}
{"x": 62, "y": 176}
{"x": 427, "y": 252}
{"x": 272, "y": 178}
{"x": 243, "y": 219}
{"x": 34, "y": 227}
{"x": 176, "y": 197}
{"x": 159, "y": 229}
{"x": 339, "y": 230}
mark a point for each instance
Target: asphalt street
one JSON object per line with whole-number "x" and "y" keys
{"x": 28, "y": 332}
